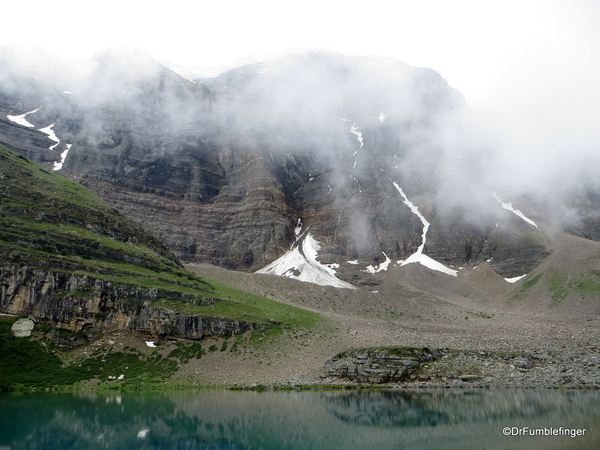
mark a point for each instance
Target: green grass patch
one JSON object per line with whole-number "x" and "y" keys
{"x": 526, "y": 285}
{"x": 558, "y": 285}
{"x": 588, "y": 284}
{"x": 21, "y": 171}
{"x": 241, "y": 305}
{"x": 530, "y": 283}
{"x": 74, "y": 240}
{"x": 186, "y": 351}
{"x": 252, "y": 305}
{"x": 27, "y": 363}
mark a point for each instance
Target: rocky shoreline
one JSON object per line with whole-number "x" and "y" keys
{"x": 396, "y": 368}
{"x": 461, "y": 369}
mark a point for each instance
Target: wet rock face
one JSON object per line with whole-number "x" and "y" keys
{"x": 221, "y": 169}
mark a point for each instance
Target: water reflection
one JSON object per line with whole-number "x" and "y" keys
{"x": 297, "y": 420}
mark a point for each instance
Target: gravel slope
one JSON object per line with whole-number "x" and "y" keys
{"x": 555, "y": 326}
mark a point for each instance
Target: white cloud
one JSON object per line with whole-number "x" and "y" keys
{"x": 532, "y": 65}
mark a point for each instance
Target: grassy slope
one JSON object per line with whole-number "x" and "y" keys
{"x": 50, "y": 222}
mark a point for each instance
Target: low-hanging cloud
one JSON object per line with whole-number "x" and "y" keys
{"x": 309, "y": 104}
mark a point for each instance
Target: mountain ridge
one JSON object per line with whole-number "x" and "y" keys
{"x": 222, "y": 170}
{"x": 382, "y": 196}
{"x": 75, "y": 263}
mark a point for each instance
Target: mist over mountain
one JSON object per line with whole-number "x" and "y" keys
{"x": 352, "y": 163}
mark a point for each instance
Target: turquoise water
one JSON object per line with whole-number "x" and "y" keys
{"x": 215, "y": 419}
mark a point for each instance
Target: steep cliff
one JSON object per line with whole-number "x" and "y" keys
{"x": 223, "y": 169}
{"x": 70, "y": 260}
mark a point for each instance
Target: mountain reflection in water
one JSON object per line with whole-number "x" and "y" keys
{"x": 214, "y": 419}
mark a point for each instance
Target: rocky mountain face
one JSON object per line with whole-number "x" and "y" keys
{"x": 73, "y": 262}
{"x": 361, "y": 154}
{"x": 84, "y": 306}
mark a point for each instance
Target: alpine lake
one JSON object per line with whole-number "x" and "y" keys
{"x": 302, "y": 419}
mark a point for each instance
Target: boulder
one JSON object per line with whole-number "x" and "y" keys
{"x": 522, "y": 363}
{"x": 22, "y": 327}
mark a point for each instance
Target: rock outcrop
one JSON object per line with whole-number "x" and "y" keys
{"x": 71, "y": 261}
{"x": 376, "y": 365}
{"x": 91, "y": 306}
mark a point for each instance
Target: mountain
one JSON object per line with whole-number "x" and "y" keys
{"x": 76, "y": 264}
{"x": 361, "y": 182}
{"x": 356, "y": 164}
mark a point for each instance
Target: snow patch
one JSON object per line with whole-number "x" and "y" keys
{"x": 380, "y": 267}
{"x": 418, "y": 256}
{"x": 51, "y": 134}
{"x": 300, "y": 263}
{"x": 354, "y": 262}
{"x": 354, "y": 130}
{"x": 298, "y": 228}
{"x": 515, "y": 279}
{"x": 63, "y": 156}
{"x": 510, "y": 207}
{"x": 150, "y": 344}
{"x": 431, "y": 263}
{"x": 20, "y": 120}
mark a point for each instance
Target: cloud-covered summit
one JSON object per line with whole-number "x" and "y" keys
{"x": 223, "y": 168}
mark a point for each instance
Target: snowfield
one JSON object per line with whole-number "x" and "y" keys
{"x": 51, "y": 134}
{"x": 517, "y": 212}
{"x": 300, "y": 263}
{"x": 20, "y": 120}
{"x": 63, "y": 156}
{"x": 418, "y": 256}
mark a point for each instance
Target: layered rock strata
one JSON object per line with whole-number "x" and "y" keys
{"x": 376, "y": 365}
{"x": 221, "y": 169}
{"x": 89, "y": 305}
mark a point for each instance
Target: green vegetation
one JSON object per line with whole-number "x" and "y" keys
{"x": 526, "y": 285}
{"x": 53, "y": 223}
{"x": 48, "y": 221}
{"x": 589, "y": 283}
{"x": 558, "y": 285}
{"x": 36, "y": 181}
{"x": 186, "y": 351}
{"x": 29, "y": 363}
{"x": 532, "y": 282}
{"x": 245, "y": 306}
